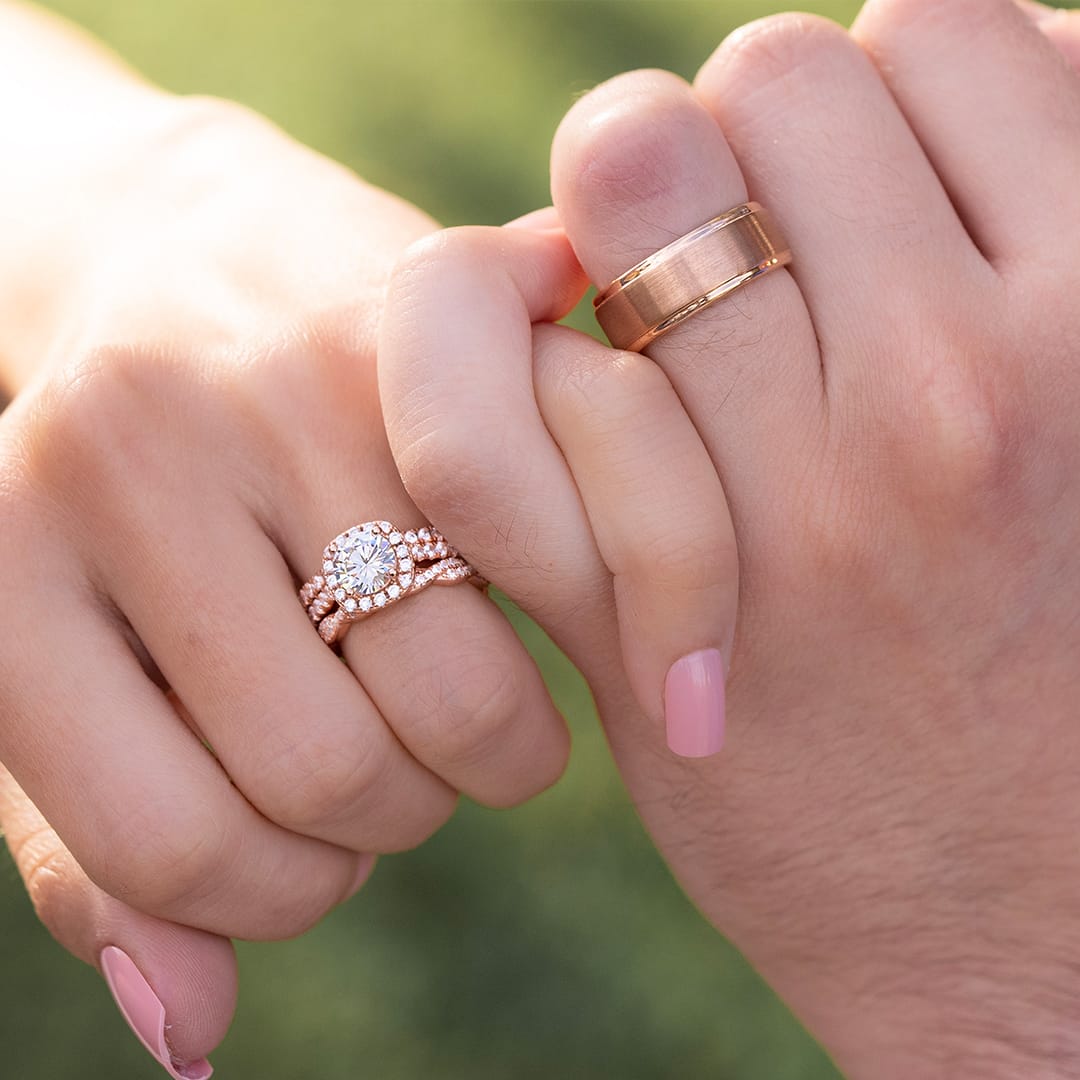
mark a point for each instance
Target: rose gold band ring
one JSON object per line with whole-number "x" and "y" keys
{"x": 371, "y": 566}
{"x": 691, "y": 273}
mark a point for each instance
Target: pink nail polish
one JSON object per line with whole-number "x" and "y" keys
{"x": 145, "y": 1014}
{"x": 694, "y": 704}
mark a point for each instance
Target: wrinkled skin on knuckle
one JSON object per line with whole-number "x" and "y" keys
{"x": 119, "y": 419}
{"x": 431, "y": 257}
{"x": 459, "y": 473}
{"x": 314, "y": 782}
{"x": 759, "y": 75}
{"x": 162, "y": 858}
{"x": 324, "y": 369}
{"x": 578, "y": 378}
{"x": 629, "y": 156}
{"x": 181, "y": 866}
{"x": 307, "y": 408}
{"x": 779, "y": 49}
{"x": 464, "y": 707}
{"x": 684, "y": 562}
{"x": 440, "y": 472}
{"x": 584, "y": 381}
{"x": 957, "y": 444}
{"x": 936, "y": 480}
{"x": 328, "y": 779}
{"x": 631, "y": 148}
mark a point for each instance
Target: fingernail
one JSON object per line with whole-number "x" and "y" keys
{"x": 363, "y": 872}
{"x": 545, "y": 220}
{"x": 145, "y": 1014}
{"x": 694, "y": 704}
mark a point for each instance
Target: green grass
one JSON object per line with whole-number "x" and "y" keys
{"x": 545, "y": 942}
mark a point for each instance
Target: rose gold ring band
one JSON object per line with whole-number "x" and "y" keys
{"x": 373, "y": 565}
{"x": 691, "y": 273}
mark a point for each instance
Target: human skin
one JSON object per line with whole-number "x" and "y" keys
{"x": 890, "y": 832}
{"x": 188, "y": 309}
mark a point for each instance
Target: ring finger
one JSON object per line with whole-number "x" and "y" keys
{"x": 291, "y": 726}
{"x": 638, "y": 163}
{"x": 444, "y": 668}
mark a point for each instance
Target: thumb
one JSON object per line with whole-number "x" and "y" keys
{"x": 175, "y": 986}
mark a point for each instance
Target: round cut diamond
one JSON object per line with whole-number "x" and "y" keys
{"x": 370, "y": 565}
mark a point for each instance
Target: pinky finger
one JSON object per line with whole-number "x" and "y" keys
{"x": 175, "y": 986}
{"x": 661, "y": 522}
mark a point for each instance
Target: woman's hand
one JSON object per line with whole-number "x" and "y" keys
{"x": 891, "y": 833}
{"x": 203, "y": 421}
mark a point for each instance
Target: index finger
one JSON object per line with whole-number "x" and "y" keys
{"x": 455, "y": 378}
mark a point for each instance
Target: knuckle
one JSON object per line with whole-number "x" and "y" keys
{"x": 454, "y": 449}
{"x": 104, "y": 415}
{"x": 958, "y": 438}
{"x": 951, "y": 454}
{"x": 470, "y": 706}
{"x": 161, "y": 858}
{"x": 587, "y": 378}
{"x": 426, "y": 260}
{"x": 778, "y": 47}
{"x": 638, "y": 145}
{"x": 458, "y": 468}
{"x": 322, "y": 780}
{"x": 324, "y": 373}
{"x": 301, "y": 402}
{"x": 884, "y": 20}
{"x": 966, "y": 439}
{"x": 686, "y": 562}
{"x": 630, "y": 150}
{"x": 83, "y": 401}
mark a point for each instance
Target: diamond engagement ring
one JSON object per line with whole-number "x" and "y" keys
{"x": 371, "y": 566}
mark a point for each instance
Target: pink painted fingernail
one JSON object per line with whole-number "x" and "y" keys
{"x": 145, "y": 1014}
{"x": 694, "y": 704}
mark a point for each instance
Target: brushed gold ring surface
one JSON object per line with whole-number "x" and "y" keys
{"x": 689, "y": 274}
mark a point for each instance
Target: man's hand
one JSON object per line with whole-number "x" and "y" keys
{"x": 890, "y": 833}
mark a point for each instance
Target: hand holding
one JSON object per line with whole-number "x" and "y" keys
{"x": 890, "y": 832}
{"x": 206, "y": 423}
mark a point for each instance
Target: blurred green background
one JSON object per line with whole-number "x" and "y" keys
{"x": 545, "y": 942}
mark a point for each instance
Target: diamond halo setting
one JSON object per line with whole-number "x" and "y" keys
{"x": 363, "y": 564}
{"x": 371, "y": 566}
